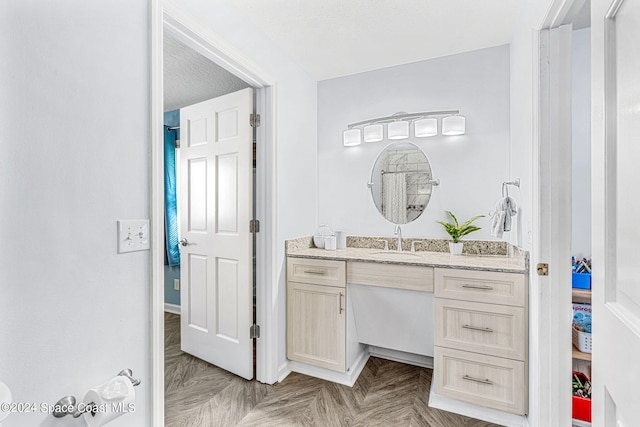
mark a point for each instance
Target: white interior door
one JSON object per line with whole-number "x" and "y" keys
{"x": 215, "y": 203}
{"x": 616, "y": 211}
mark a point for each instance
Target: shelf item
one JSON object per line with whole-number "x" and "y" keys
{"x": 581, "y": 406}
{"x": 581, "y": 280}
{"x": 581, "y": 330}
{"x": 581, "y": 340}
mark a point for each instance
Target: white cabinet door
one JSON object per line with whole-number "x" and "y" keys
{"x": 215, "y": 203}
{"x": 316, "y": 325}
{"x": 616, "y": 211}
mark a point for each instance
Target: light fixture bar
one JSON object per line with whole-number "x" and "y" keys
{"x": 404, "y": 116}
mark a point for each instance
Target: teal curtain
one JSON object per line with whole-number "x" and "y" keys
{"x": 170, "y": 199}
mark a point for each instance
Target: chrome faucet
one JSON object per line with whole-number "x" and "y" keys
{"x": 398, "y": 231}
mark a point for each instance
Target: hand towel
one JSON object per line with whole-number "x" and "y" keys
{"x": 501, "y": 218}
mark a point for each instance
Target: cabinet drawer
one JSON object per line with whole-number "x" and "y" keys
{"x": 482, "y": 380}
{"x": 482, "y": 286}
{"x": 497, "y": 330}
{"x": 316, "y": 271}
{"x": 398, "y": 276}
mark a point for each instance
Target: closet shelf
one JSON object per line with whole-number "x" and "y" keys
{"x": 577, "y": 354}
{"x": 582, "y": 296}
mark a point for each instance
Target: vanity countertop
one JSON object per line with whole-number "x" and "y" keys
{"x": 502, "y": 263}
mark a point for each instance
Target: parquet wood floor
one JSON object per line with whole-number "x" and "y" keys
{"x": 387, "y": 393}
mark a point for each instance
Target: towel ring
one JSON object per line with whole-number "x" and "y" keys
{"x": 506, "y": 184}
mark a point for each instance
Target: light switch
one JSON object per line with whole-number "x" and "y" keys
{"x": 133, "y": 235}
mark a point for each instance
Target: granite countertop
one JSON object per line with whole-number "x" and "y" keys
{"x": 512, "y": 262}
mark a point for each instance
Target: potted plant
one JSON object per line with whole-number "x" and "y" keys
{"x": 456, "y": 231}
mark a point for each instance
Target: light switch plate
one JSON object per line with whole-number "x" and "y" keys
{"x": 133, "y": 235}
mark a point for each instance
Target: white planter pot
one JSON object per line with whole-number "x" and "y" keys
{"x": 455, "y": 248}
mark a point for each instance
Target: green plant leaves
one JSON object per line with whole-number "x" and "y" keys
{"x": 455, "y": 230}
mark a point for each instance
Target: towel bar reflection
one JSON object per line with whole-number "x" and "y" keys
{"x": 432, "y": 181}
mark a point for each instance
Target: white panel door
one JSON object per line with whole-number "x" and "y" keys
{"x": 215, "y": 203}
{"x": 616, "y": 211}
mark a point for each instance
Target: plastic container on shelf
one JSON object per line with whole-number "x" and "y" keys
{"x": 581, "y": 280}
{"x": 582, "y": 340}
{"x": 581, "y": 406}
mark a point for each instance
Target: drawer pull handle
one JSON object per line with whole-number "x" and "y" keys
{"x": 477, "y": 380}
{"x": 340, "y": 309}
{"x": 477, "y": 328}
{"x": 482, "y": 287}
{"x": 320, "y": 272}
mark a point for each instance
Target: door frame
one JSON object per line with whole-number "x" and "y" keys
{"x": 202, "y": 39}
{"x": 550, "y": 352}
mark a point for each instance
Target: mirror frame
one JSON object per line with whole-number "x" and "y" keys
{"x": 376, "y": 181}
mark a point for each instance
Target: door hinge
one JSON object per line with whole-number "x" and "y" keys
{"x": 254, "y": 120}
{"x": 254, "y": 226}
{"x": 254, "y": 331}
{"x": 543, "y": 269}
{"x": 177, "y": 143}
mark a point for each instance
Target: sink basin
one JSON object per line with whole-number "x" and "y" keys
{"x": 394, "y": 254}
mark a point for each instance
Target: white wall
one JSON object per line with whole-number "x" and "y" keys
{"x": 74, "y": 114}
{"x": 523, "y": 86}
{"x": 296, "y": 139}
{"x": 581, "y": 143}
{"x": 471, "y": 168}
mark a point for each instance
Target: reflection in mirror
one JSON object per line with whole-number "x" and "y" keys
{"x": 401, "y": 182}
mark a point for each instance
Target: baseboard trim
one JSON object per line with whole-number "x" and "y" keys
{"x": 347, "y": 378}
{"x": 172, "y": 308}
{"x": 401, "y": 356}
{"x": 474, "y": 411}
{"x": 283, "y": 371}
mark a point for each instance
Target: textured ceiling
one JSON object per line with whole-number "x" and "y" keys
{"x": 190, "y": 77}
{"x": 332, "y": 38}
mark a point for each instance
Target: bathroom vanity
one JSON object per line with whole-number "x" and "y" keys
{"x": 465, "y": 316}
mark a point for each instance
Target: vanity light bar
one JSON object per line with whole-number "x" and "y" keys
{"x": 398, "y": 126}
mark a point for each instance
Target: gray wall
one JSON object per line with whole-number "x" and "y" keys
{"x": 75, "y": 117}
{"x": 74, "y": 106}
{"x": 471, "y": 167}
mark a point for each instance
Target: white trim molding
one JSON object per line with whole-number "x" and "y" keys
{"x": 550, "y": 304}
{"x": 205, "y": 41}
{"x": 157, "y": 217}
{"x": 348, "y": 378}
{"x": 449, "y": 404}
{"x": 172, "y": 308}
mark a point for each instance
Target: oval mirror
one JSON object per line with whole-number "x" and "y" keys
{"x": 401, "y": 182}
